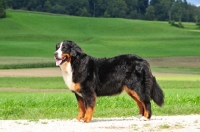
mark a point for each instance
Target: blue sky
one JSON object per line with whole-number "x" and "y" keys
{"x": 194, "y": 2}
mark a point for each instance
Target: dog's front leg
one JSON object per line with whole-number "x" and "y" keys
{"x": 90, "y": 104}
{"x": 81, "y": 107}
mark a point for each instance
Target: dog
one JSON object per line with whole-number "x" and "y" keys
{"x": 89, "y": 77}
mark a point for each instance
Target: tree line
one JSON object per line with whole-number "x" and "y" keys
{"x": 2, "y": 8}
{"x": 162, "y": 10}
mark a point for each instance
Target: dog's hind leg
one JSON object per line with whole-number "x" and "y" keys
{"x": 81, "y": 107}
{"x": 144, "y": 107}
{"x": 147, "y": 109}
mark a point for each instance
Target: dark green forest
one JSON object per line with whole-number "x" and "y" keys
{"x": 2, "y": 8}
{"x": 162, "y": 10}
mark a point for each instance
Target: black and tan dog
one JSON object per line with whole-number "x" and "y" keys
{"x": 90, "y": 77}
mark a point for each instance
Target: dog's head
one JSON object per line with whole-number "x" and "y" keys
{"x": 65, "y": 51}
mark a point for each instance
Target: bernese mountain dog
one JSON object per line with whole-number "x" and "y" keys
{"x": 89, "y": 77}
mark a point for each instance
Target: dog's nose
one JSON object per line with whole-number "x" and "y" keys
{"x": 56, "y": 54}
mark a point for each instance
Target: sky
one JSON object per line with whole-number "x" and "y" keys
{"x": 194, "y": 2}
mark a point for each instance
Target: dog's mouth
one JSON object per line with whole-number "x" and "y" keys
{"x": 60, "y": 61}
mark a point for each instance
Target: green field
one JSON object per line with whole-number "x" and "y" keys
{"x": 58, "y": 83}
{"x": 28, "y": 39}
{"x": 36, "y": 106}
{"x": 29, "y": 34}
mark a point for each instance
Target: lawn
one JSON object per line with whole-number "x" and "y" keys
{"x": 182, "y": 96}
{"x": 31, "y": 34}
{"x": 58, "y": 83}
{"x": 36, "y": 106}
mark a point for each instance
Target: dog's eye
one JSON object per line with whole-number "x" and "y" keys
{"x": 64, "y": 48}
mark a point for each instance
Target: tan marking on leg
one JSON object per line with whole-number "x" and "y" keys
{"x": 136, "y": 98}
{"x": 89, "y": 111}
{"x": 141, "y": 105}
{"x": 146, "y": 113}
{"x": 81, "y": 108}
{"x": 88, "y": 114}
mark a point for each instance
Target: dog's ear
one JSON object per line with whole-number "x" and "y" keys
{"x": 73, "y": 52}
{"x": 75, "y": 49}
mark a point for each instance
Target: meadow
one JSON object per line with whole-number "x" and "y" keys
{"x": 31, "y": 34}
{"x": 58, "y": 105}
{"x": 28, "y": 39}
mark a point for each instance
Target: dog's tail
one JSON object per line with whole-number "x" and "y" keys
{"x": 152, "y": 89}
{"x": 157, "y": 93}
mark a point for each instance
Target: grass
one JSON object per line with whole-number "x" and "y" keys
{"x": 25, "y": 62}
{"x": 28, "y": 39}
{"x": 36, "y": 106}
{"x": 58, "y": 83}
{"x": 177, "y": 69}
{"x": 182, "y": 97}
{"x": 27, "y": 65}
{"x": 30, "y": 34}
{"x": 186, "y": 78}
{"x": 33, "y": 82}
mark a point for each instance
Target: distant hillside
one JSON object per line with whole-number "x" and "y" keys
{"x": 32, "y": 34}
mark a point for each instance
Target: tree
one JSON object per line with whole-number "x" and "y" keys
{"x": 73, "y": 7}
{"x": 150, "y": 13}
{"x": 134, "y": 14}
{"x": 169, "y": 6}
{"x": 154, "y": 2}
{"x": 47, "y": 6}
{"x": 58, "y": 9}
{"x": 197, "y": 14}
{"x": 83, "y": 12}
{"x": 142, "y": 5}
{"x": 131, "y": 7}
{"x": 177, "y": 10}
{"x": 32, "y": 4}
{"x": 116, "y": 8}
{"x": 162, "y": 9}
{"x": 98, "y": 7}
{"x": 180, "y": 10}
{"x": 2, "y": 9}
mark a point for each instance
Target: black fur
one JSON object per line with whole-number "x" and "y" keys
{"x": 108, "y": 76}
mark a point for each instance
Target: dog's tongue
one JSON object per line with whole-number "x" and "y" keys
{"x": 58, "y": 62}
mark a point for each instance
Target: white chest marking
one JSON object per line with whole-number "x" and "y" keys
{"x": 67, "y": 76}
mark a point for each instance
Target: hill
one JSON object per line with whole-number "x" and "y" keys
{"x": 31, "y": 34}
{"x": 28, "y": 36}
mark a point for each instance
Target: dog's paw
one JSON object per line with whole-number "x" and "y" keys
{"x": 138, "y": 116}
{"x": 86, "y": 120}
{"x": 75, "y": 120}
{"x": 144, "y": 119}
